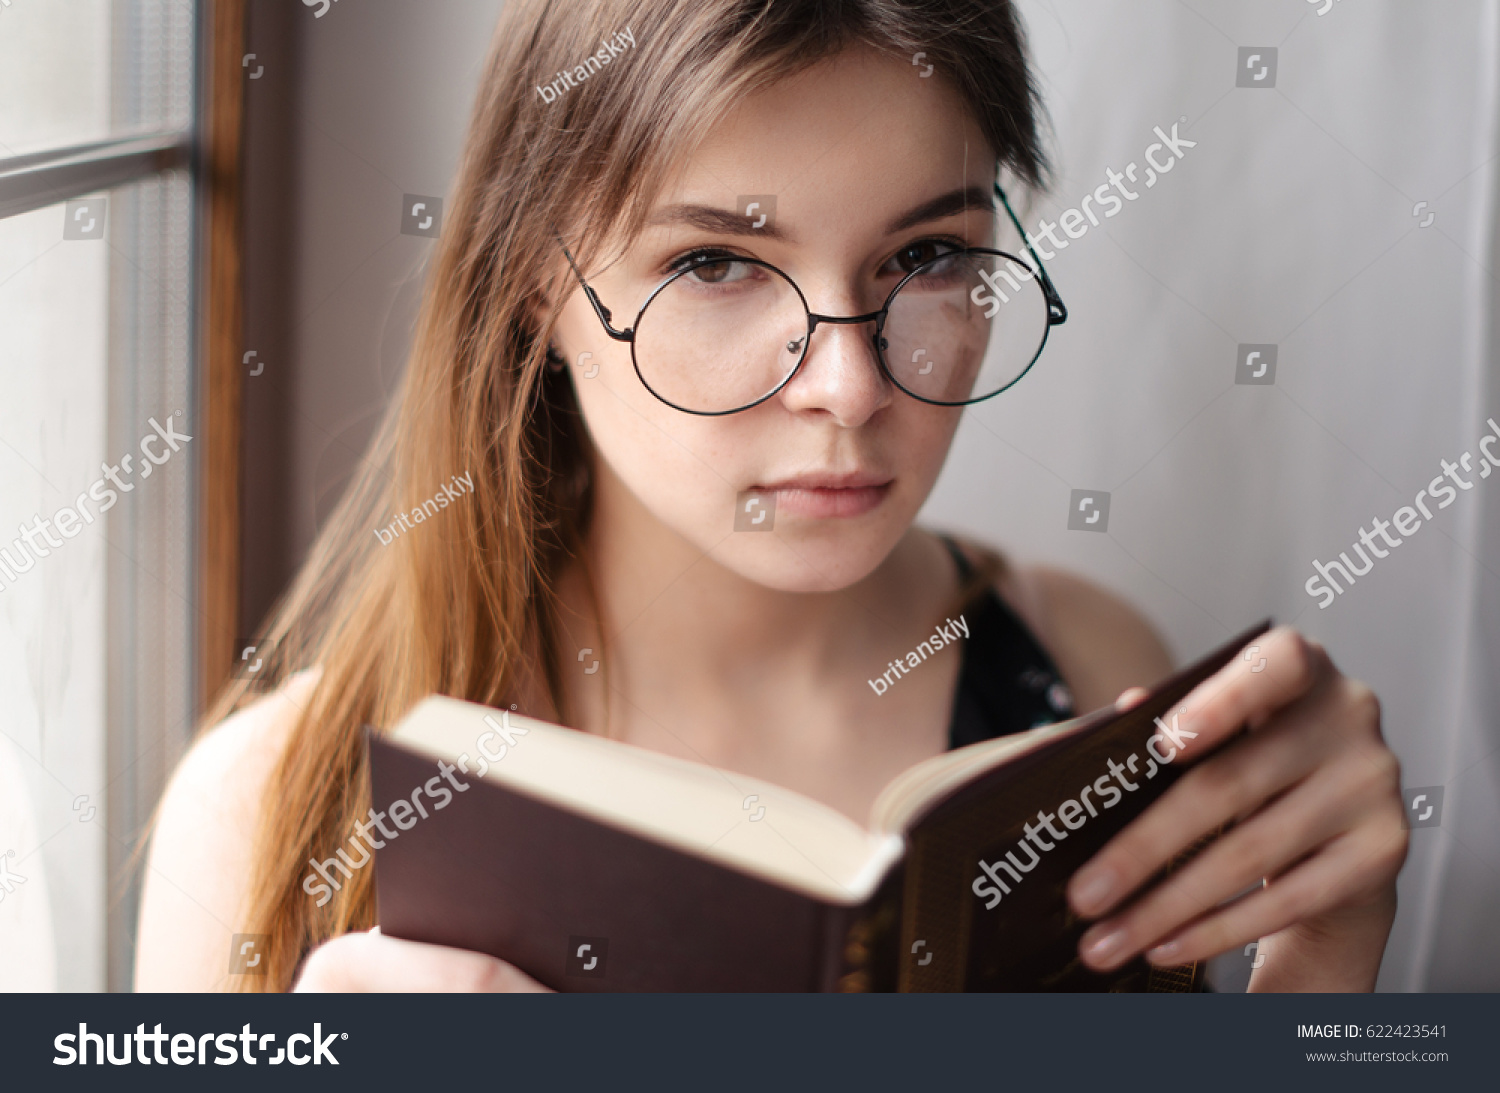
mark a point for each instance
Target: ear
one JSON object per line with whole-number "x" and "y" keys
{"x": 539, "y": 303}
{"x": 538, "y": 306}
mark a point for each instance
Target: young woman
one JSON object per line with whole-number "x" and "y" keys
{"x": 698, "y": 427}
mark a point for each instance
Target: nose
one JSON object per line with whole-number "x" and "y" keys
{"x": 841, "y": 374}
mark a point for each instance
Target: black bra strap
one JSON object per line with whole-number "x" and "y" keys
{"x": 965, "y": 569}
{"x": 1007, "y": 682}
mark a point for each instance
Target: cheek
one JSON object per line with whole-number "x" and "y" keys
{"x": 662, "y": 456}
{"x": 682, "y": 467}
{"x": 924, "y": 436}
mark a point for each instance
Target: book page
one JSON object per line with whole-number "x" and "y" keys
{"x": 902, "y": 802}
{"x": 722, "y": 816}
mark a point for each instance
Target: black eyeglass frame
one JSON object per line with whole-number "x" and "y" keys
{"x": 1057, "y": 314}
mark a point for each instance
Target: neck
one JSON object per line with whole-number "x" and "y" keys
{"x": 684, "y": 630}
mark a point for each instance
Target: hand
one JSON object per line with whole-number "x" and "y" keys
{"x": 1315, "y": 796}
{"x": 371, "y": 962}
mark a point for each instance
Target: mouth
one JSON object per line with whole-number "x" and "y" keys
{"x": 823, "y": 496}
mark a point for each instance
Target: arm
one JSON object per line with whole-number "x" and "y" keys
{"x": 197, "y": 877}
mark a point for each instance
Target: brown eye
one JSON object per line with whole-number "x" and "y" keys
{"x": 713, "y": 273}
{"x": 915, "y": 254}
{"x": 726, "y": 270}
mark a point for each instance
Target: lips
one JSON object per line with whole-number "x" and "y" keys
{"x": 823, "y": 496}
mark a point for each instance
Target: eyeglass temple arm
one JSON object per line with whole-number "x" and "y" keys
{"x": 1057, "y": 312}
{"x": 599, "y": 308}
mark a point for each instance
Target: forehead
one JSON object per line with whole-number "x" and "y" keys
{"x": 858, "y": 136}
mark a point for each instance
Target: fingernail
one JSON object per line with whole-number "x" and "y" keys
{"x": 1106, "y": 947}
{"x": 1165, "y": 951}
{"x": 1095, "y": 889}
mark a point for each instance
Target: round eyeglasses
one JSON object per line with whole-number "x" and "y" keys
{"x": 726, "y": 332}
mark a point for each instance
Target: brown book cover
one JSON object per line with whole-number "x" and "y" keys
{"x": 593, "y": 865}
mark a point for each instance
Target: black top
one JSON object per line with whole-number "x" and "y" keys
{"x": 1007, "y": 682}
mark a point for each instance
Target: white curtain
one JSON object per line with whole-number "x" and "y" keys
{"x": 27, "y": 955}
{"x": 1293, "y": 221}
{"x": 1296, "y": 221}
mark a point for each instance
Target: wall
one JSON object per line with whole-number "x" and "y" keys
{"x": 1292, "y": 222}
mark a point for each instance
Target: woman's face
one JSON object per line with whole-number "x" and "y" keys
{"x": 874, "y": 169}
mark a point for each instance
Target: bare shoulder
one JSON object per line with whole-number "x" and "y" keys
{"x": 198, "y": 870}
{"x": 1100, "y": 643}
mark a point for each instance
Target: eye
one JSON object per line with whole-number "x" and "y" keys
{"x": 919, "y": 251}
{"x": 726, "y": 269}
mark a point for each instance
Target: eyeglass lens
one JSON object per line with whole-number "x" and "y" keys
{"x": 724, "y": 335}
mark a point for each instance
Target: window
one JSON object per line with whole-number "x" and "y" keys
{"x": 98, "y": 524}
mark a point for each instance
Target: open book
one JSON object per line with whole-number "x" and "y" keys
{"x": 594, "y": 865}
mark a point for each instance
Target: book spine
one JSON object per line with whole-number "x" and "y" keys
{"x": 1183, "y": 978}
{"x": 860, "y": 943}
{"x": 840, "y": 930}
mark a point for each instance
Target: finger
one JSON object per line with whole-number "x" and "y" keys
{"x": 1129, "y": 698}
{"x": 425, "y": 968}
{"x": 1248, "y": 690}
{"x": 1315, "y": 812}
{"x": 1336, "y": 800}
{"x": 373, "y": 962}
{"x": 1223, "y": 787}
{"x": 1334, "y": 876}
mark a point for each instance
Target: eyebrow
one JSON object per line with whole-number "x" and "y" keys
{"x": 727, "y": 222}
{"x": 940, "y": 208}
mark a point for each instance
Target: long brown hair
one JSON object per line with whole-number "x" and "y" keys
{"x": 468, "y": 607}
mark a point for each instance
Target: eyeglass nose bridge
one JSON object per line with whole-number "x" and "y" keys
{"x": 814, "y": 319}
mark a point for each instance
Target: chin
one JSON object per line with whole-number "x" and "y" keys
{"x": 794, "y": 558}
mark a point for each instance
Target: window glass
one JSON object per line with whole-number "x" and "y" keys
{"x": 95, "y": 487}
{"x": 78, "y": 71}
